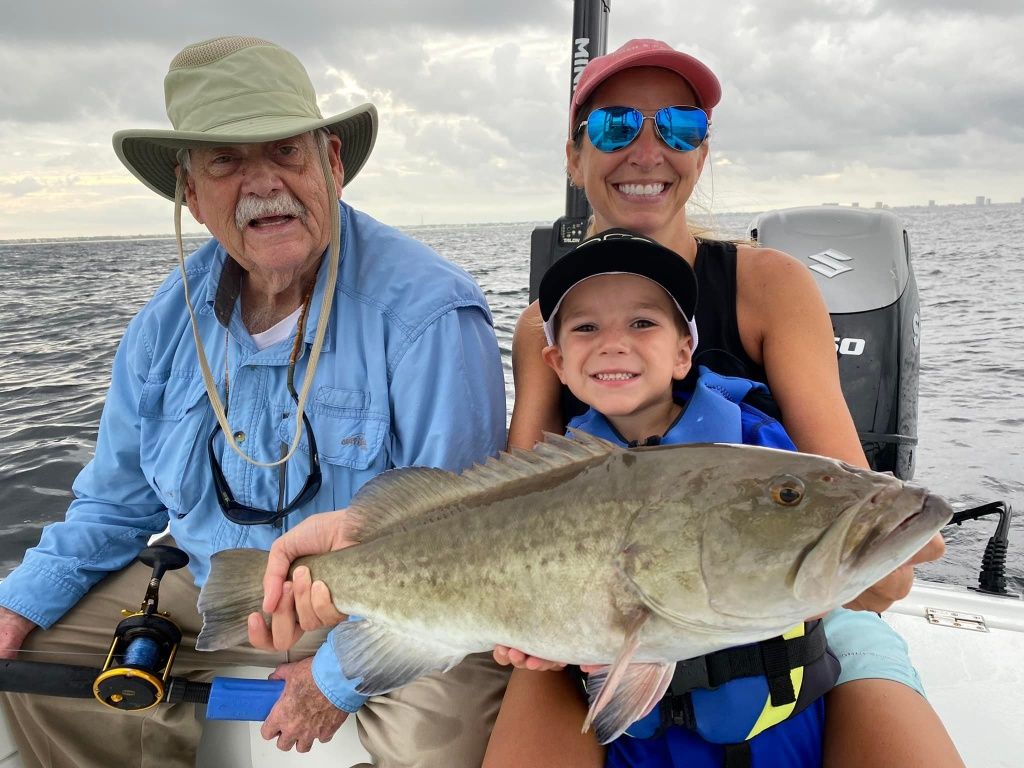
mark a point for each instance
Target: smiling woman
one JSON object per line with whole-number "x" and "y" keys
{"x": 639, "y": 185}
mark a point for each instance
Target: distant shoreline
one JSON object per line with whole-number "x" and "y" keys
{"x": 412, "y": 227}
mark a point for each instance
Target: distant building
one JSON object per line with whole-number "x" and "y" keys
{"x": 857, "y": 205}
{"x": 878, "y": 204}
{"x": 979, "y": 200}
{"x": 931, "y": 203}
{"x": 988, "y": 201}
{"x": 830, "y": 203}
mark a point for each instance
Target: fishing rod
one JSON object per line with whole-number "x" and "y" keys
{"x": 137, "y": 672}
{"x": 549, "y": 243}
{"x": 226, "y": 698}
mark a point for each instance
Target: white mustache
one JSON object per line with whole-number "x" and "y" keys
{"x": 252, "y": 207}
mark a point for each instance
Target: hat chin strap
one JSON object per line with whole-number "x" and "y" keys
{"x": 333, "y": 257}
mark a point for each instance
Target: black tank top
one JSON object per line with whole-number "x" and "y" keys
{"x": 719, "y": 346}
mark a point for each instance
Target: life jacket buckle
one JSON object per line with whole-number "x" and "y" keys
{"x": 677, "y": 709}
{"x": 690, "y": 674}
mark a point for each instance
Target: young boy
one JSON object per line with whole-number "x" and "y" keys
{"x": 618, "y": 315}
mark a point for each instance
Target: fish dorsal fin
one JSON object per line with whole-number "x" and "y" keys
{"x": 404, "y": 498}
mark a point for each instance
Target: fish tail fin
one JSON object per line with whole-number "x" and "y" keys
{"x": 232, "y": 591}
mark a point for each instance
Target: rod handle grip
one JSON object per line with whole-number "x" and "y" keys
{"x": 236, "y": 698}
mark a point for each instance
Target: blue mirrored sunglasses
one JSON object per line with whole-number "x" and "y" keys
{"x": 612, "y": 128}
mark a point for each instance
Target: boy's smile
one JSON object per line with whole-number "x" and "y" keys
{"x": 620, "y": 345}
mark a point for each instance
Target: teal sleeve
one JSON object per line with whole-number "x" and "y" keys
{"x": 867, "y": 647}
{"x": 331, "y": 681}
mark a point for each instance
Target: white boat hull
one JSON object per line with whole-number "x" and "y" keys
{"x": 973, "y": 677}
{"x": 973, "y": 672}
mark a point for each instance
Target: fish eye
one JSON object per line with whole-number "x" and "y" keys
{"x": 787, "y": 491}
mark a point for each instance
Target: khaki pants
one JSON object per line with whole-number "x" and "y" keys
{"x": 438, "y": 720}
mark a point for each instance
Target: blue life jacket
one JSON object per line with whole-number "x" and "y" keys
{"x": 713, "y": 413}
{"x": 723, "y": 706}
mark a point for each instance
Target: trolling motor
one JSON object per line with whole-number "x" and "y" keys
{"x": 138, "y": 666}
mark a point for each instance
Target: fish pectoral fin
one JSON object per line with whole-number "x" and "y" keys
{"x": 624, "y": 691}
{"x": 639, "y": 689}
{"x": 386, "y": 659}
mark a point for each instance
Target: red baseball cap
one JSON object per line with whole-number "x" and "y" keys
{"x": 646, "y": 53}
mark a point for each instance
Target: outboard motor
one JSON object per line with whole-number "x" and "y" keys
{"x": 861, "y": 262}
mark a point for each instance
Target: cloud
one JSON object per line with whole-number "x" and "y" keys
{"x": 329, "y": 24}
{"x": 902, "y": 100}
{"x": 22, "y": 187}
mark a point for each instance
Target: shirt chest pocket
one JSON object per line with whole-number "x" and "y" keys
{"x": 175, "y": 419}
{"x": 349, "y": 435}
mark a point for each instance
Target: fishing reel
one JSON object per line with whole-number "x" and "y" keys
{"x": 138, "y": 667}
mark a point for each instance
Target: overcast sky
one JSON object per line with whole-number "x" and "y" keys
{"x": 899, "y": 101}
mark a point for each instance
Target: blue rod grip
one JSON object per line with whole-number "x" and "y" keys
{"x": 236, "y": 698}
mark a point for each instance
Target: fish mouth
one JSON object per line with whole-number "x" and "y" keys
{"x": 869, "y": 540}
{"x": 890, "y": 541}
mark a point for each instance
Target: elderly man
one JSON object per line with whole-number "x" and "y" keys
{"x": 204, "y": 430}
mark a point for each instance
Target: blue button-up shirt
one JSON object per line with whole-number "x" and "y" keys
{"x": 410, "y": 374}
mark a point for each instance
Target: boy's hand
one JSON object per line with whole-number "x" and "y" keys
{"x": 298, "y": 604}
{"x": 505, "y": 656}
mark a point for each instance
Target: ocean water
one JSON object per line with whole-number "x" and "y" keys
{"x": 64, "y": 305}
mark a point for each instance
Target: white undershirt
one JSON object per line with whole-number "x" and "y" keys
{"x": 282, "y": 330}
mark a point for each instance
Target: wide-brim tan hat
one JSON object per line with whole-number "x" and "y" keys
{"x": 238, "y": 90}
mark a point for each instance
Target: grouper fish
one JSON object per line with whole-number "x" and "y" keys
{"x": 584, "y": 552}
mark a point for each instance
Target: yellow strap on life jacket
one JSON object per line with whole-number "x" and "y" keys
{"x": 774, "y": 715}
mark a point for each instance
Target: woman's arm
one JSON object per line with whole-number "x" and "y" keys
{"x": 537, "y": 407}
{"x": 539, "y": 725}
{"x": 884, "y": 724}
{"x": 785, "y": 326}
